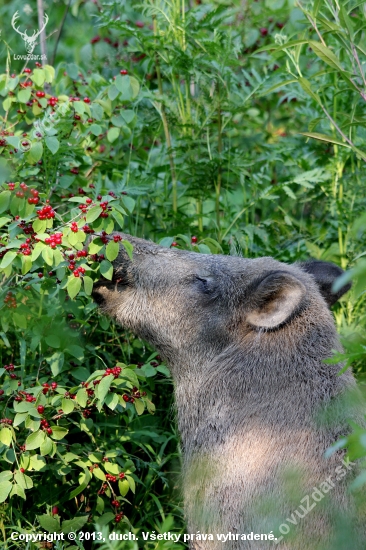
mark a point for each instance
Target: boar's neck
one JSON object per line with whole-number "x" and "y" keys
{"x": 256, "y": 385}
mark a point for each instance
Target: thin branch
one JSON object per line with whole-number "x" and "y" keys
{"x": 60, "y": 32}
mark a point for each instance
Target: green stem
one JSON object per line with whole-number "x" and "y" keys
{"x": 219, "y": 175}
{"x": 166, "y": 128}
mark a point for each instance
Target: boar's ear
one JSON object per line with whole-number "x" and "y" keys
{"x": 325, "y": 273}
{"x": 275, "y": 299}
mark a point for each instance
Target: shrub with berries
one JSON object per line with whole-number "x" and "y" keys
{"x": 60, "y": 214}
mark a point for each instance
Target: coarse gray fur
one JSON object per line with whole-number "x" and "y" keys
{"x": 245, "y": 341}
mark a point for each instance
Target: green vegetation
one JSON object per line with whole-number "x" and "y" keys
{"x": 220, "y": 127}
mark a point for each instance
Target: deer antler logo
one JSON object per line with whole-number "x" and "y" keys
{"x": 30, "y": 41}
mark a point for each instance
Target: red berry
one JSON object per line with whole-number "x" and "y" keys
{"x": 40, "y": 94}
{"x": 54, "y": 510}
{"x": 49, "y": 431}
{"x": 263, "y": 31}
{"x": 22, "y": 470}
{"x": 123, "y": 71}
{"x": 40, "y": 275}
{"x": 86, "y": 100}
{"x": 194, "y": 240}
{"x": 40, "y": 409}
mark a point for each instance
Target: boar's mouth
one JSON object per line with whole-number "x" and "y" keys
{"x": 118, "y": 281}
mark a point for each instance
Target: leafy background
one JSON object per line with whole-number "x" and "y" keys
{"x": 221, "y": 127}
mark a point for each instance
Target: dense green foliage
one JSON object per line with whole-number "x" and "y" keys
{"x": 203, "y": 125}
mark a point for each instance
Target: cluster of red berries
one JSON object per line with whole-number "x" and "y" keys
{"x": 46, "y": 213}
{"x": 75, "y": 170}
{"x": 52, "y": 101}
{"x": 27, "y": 228}
{"x": 40, "y": 93}
{"x": 9, "y": 367}
{"x": 116, "y": 371}
{"x": 6, "y": 421}
{"x": 78, "y": 271}
{"x": 25, "y": 248}
{"x": 111, "y": 478}
{"x": 87, "y": 229}
{"x": 118, "y": 517}
{"x": 117, "y": 238}
{"x": 10, "y": 300}
{"x": 103, "y": 489}
{"x": 28, "y": 397}
{"x": 33, "y": 197}
{"x": 45, "y": 426}
{"x": 2, "y": 392}
{"x": 86, "y": 413}
{"x": 104, "y": 206}
{"x": 115, "y": 503}
{"x": 48, "y": 387}
{"x": 54, "y": 240}
{"x": 74, "y": 227}
{"x": 127, "y": 398}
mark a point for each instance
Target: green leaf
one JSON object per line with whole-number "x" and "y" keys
{"x": 26, "y": 264}
{"x": 112, "y": 250}
{"x": 6, "y": 475}
{"x": 95, "y": 129}
{"x": 67, "y": 405}
{"x": 35, "y": 153}
{"x": 93, "y": 214}
{"x": 24, "y": 95}
{"x": 46, "y": 446}
{"x": 99, "y": 474}
{"x": 35, "y": 440}
{"x": 4, "y": 220}
{"x": 8, "y": 259}
{"x": 112, "y": 134}
{"x": 53, "y": 144}
{"x": 37, "y": 250}
{"x": 131, "y": 483}
{"x": 326, "y": 55}
{"x": 88, "y": 285}
{"x": 49, "y": 523}
{"x": 323, "y": 137}
{"x": 79, "y": 107}
{"x": 129, "y": 248}
{"x": 6, "y": 436}
{"x": 112, "y": 400}
{"x": 4, "y": 200}
{"x": 23, "y": 480}
{"x": 73, "y": 286}
{"x": 112, "y": 92}
{"x": 74, "y": 525}
{"x": 56, "y": 362}
{"x": 129, "y": 203}
{"x": 58, "y": 432}
{"x": 84, "y": 480}
{"x": 118, "y": 217}
{"x": 306, "y": 86}
{"x": 20, "y": 320}
{"x": 139, "y": 406}
{"x": 106, "y": 269}
{"x": 5, "y": 488}
{"x": 82, "y": 397}
{"x": 123, "y": 487}
{"x": 38, "y": 77}
{"x": 134, "y": 83}
{"x": 103, "y": 386}
{"x": 47, "y": 254}
{"x": 53, "y": 341}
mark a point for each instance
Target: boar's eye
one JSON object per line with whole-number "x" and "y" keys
{"x": 205, "y": 283}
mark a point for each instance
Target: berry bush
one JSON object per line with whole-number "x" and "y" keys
{"x": 208, "y": 126}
